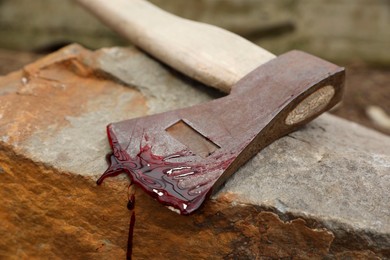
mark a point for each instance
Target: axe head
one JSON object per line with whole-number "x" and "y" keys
{"x": 182, "y": 156}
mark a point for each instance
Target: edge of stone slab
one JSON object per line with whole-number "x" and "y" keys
{"x": 285, "y": 218}
{"x": 343, "y": 239}
{"x": 345, "y": 231}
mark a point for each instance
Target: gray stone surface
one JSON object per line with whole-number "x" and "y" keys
{"x": 332, "y": 171}
{"x": 80, "y": 146}
{"x": 164, "y": 88}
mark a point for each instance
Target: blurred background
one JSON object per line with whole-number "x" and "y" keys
{"x": 352, "y": 33}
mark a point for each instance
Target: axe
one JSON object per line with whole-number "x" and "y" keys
{"x": 180, "y": 157}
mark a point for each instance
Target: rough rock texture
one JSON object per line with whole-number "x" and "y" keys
{"x": 332, "y": 170}
{"x": 46, "y": 214}
{"x": 321, "y": 191}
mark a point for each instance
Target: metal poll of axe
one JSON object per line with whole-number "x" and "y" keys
{"x": 182, "y": 156}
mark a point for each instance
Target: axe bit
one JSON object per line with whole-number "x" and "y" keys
{"x": 180, "y": 157}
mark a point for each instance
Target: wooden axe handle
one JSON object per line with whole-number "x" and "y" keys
{"x": 212, "y": 55}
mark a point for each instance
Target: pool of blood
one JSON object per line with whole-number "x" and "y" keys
{"x": 150, "y": 172}
{"x": 158, "y": 176}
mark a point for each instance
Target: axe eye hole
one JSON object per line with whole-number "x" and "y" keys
{"x": 311, "y": 105}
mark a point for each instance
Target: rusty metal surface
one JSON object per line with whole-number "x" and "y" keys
{"x": 240, "y": 125}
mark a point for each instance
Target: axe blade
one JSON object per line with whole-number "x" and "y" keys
{"x": 182, "y": 156}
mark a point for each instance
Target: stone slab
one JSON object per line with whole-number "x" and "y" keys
{"x": 334, "y": 174}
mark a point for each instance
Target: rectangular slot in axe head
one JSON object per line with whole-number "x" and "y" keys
{"x": 195, "y": 141}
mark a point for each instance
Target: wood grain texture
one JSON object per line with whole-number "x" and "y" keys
{"x": 212, "y": 55}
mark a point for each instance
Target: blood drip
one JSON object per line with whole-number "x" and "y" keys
{"x": 130, "y": 237}
{"x": 130, "y": 206}
{"x": 131, "y": 202}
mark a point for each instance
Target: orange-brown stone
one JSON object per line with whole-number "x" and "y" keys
{"x": 46, "y": 92}
{"x": 46, "y": 214}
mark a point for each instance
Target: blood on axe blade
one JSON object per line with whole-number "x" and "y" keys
{"x": 182, "y": 156}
